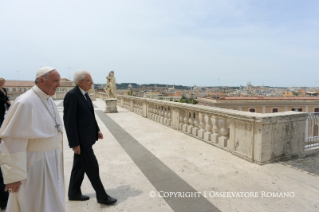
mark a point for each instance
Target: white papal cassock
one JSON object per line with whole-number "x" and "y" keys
{"x": 31, "y": 152}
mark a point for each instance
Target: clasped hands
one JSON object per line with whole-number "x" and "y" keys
{"x": 77, "y": 149}
{"x": 13, "y": 187}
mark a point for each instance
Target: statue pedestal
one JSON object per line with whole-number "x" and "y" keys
{"x": 111, "y": 106}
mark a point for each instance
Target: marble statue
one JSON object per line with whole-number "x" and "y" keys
{"x": 110, "y": 88}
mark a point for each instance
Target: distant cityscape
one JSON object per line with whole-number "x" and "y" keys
{"x": 176, "y": 92}
{"x": 259, "y": 99}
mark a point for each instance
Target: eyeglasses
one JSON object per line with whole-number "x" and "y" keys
{"x": 89, "y": 80}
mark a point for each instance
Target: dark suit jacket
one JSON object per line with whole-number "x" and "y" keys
{"x": 3, "y": 100}
{"x": 79, "y": 119}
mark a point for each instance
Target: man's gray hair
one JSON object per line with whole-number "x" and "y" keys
{"x": 80, "y": 75}
{"x": 36, "y": 81}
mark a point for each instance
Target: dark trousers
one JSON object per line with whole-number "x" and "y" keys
{"x": 3, "y": 194}
{"x": 1, "y": 117}
{"x": 86, "y": 163}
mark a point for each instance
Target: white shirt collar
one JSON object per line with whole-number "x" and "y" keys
{"x": 40, "y": 93}
{"x": 82, "y": 91}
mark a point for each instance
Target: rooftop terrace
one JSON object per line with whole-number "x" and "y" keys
{"x": 140, "y": 158}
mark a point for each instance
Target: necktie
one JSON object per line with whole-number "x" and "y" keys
{"x": 88, "y": 99}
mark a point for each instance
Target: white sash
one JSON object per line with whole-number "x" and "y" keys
{"x": 44, "y": 144}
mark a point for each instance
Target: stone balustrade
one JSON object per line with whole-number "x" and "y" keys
{"x": 256, "y": 137}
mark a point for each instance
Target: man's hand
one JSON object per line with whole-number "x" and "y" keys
{"x": 9, "y": 102}
{"x": 77, "y": 150}
{"x": 100, "y": 135}
{"x": 13, "y": 187}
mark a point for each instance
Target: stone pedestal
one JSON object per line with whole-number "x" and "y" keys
{"x": 200, "y": 133}
{"x": 110, "y": 106}
{"x": 195, "y": 131}
{"x": 190, "y": 129}
{"x": 207, "y": 136}
{"x": 222, "y": 141}
{"x": 184, "y": 127}
{"x": 214, "y": 138}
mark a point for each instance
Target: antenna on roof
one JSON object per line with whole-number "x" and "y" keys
{"x": 18, "y": 74}
{"x": 69, "y": 72}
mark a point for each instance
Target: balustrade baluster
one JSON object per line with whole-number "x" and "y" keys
{"x": 196, "y": 124}
{"x": 136, "y": 107}
{"x": 201, "y": 125}
{"x": 181, "y": 119}
{"x": 191, "y": 122}
{"x": 159, "y": 113}
{"x": 141, "y": 108}
{"x": 165, "y": 116}
{"x": 150, "y": 111}
{"x": 222, "y": 141}
{"x": 169, "y": 116}
{"x": 216, "y": 128}
{"x": 185, "y": 125}
{"x": 161, "y": 120}
{"x": 208, "y": 133}
{"x": 153, "y": 113}
{"x": 133, "y": 109}
{"x": 156, "y": 113}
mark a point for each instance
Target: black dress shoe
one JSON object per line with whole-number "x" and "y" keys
{"x": 3, "y": 205}
{"x": 79, "y": 198}
{"x": 108, "y": 201}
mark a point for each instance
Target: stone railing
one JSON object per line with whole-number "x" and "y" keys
{"x": 256, "y": 137}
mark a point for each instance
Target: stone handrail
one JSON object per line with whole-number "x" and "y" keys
{"x": 256, "y": 137}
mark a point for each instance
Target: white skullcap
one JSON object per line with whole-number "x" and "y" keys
{"x": 42, "y": 71}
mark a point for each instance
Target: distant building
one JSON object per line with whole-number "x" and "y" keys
{"x": 311, "y": 94}
{"x": 264, "y": 104}
{"x": 288, "y": 93}
{"x": 65, "y": 86}
{"x": 18, "y": 87}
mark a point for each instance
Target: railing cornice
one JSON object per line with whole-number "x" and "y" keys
{"x": 242, "y": 115}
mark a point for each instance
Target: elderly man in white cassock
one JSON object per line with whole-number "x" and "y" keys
{"x": 30, "y": 152}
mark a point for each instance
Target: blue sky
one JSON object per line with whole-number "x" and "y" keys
{"x": 269, "y": 42}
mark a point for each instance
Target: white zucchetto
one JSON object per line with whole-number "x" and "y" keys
{"x": 43, "y": 70}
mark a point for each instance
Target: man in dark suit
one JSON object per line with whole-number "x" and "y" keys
{"x": 82, "y": 132}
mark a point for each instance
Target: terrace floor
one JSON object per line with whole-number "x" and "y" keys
{"x": 140, "y": 158}
{"x": 141, "y": 161}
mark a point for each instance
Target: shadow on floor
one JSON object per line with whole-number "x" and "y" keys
{"x": 308, "y": 164}
{"x": 121, "y": 193}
